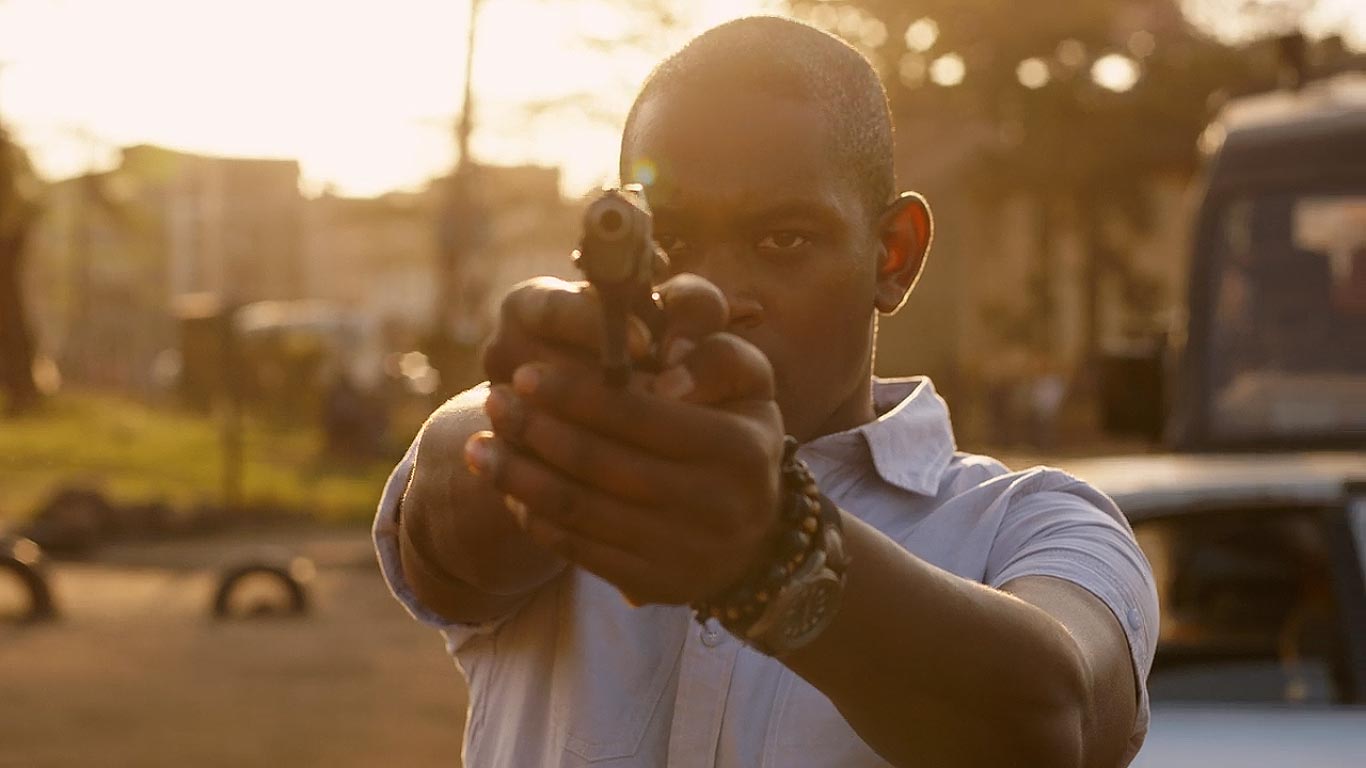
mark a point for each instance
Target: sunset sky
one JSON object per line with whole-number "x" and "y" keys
{"x": 362, "y": 93}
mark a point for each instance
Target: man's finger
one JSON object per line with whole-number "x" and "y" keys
{"x": 555, "y": 310}
{"x": 693, "y": 307}
{"x": 640, "y": 419}
{"x": 512, "y": 346}
{"x": 547, "y": 312}
{"x": 581, "y": 453}
{"x": 721, "y": 368}
{"x": 545, "y": 493}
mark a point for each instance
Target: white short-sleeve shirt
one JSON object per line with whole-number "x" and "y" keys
{"x": 577, "y": 677}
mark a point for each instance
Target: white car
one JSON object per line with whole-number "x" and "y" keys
{"x": 1260, "y": 564}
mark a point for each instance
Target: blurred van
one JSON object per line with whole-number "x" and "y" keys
{"x": 1255, "y": 520}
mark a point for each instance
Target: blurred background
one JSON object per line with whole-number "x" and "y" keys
{"x": 246, "y": 248}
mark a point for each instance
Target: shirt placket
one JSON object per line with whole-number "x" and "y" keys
{"x": 709, "y": 655}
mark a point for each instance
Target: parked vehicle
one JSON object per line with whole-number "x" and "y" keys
{"x": 1260, "y": 564}
{"x": 1256, "y": 523}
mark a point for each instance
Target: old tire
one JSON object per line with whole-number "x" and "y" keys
{"x": 21, "y": 559}
{"x": 284, "y": 576}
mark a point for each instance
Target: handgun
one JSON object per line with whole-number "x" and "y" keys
{"x": 619, "y": 257}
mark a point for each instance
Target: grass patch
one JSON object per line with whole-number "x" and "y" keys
{"x": 137, "y": 453}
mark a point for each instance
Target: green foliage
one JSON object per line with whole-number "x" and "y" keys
{"x": 136, "y": 453}
{"x": 1066, "y": 135}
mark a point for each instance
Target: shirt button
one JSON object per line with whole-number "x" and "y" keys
{"x": 1135, "y": 619}
{"x": 710, "y": 637}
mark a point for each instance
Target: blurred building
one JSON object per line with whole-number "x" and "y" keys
{"x": 116, "y": 249}
{"x": 118, "y": 253}
{"x": 372, "y": 256}
{"x": 229, "y": 226}
{"x": 97, "y": 290}
{"x": 376, "y": 256}
{"x": 530, "y": 230}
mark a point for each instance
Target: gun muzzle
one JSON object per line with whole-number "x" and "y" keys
{"x": 619, "y": 257}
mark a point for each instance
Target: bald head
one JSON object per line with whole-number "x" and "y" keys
{"x": 781, "y": 58}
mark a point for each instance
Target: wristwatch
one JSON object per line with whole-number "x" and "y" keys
{"x": 791, "y": 595}
{"x": 806, "y": 605}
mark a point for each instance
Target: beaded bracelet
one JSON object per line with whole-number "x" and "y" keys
{"x": 792, "y": 544}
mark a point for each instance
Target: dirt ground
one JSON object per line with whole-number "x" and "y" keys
{"x": 136, "y": 673}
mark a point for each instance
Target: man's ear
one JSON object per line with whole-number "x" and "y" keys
{"x": 906, "y": 229}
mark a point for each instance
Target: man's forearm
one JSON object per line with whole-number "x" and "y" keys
{"x": 931, "y": 669}
{"x": 461, "y": 552}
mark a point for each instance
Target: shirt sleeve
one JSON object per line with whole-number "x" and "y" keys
{"x": 385, "y": 535}
{"x": 1076, "y": 533}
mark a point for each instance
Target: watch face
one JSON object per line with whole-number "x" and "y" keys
{"x": 811, "y": 610}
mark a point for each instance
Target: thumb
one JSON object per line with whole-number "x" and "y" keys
{"x": 693, "y": 307}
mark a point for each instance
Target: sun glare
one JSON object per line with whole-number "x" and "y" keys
{"x": 363, "y": 94}
{"x": 1115, "y": 72}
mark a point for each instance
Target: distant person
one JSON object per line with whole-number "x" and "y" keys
{"x": 354, "y": 421}
{"x": 642, "y": 577}
{"x": 1047, "y": 390}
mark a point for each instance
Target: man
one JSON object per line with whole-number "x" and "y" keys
{"x": 963, "y": 616}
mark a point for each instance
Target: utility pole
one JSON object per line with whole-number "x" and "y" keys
{"x": 454, "y": 338}
{"x": 462, "y": 128}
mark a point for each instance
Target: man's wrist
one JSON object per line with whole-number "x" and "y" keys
{"x": 790, "y": 596}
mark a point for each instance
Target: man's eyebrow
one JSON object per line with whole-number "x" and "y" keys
{"x": 797, "y": 208}
{"x": 801, "y": 208}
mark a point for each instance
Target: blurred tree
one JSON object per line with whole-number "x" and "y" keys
{"x": 1234, "y": 20}
{"x": 1076, "y": 105}
{"x": 19, "y": 190}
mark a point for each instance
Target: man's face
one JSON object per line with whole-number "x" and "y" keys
{"x": 748, "y": 192}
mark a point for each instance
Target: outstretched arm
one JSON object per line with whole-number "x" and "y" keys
{"x": 671, "y": 493}
{"x": 930, "y": 668}
{"x": 462, "y": 555}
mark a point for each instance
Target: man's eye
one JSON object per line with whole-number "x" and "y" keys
{"x": 783, "y": 241}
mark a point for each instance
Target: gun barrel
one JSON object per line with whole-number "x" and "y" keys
{"x": 609, "y": 219}
{"x": 616, "y": 241}
{"x": 619, "y": 257}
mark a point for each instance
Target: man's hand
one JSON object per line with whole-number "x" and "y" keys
{"x": 477, "y": 563}
{"x": 667, "y": 488}
{"x": 550, "y": 320}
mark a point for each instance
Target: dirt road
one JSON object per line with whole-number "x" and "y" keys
{"x": 135, "y": 673}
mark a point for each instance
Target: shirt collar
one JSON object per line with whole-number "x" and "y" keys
{"x": 910, "y": 442}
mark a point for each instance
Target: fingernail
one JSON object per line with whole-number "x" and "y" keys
{"x": 505, "y": 411}
{"x": 678, "y": 349}
{"x": 479, "y": 454}
{"x": 525, "y": 380}
{"x": 496, "y": 404}
{"x": 674, "y": 383}
{"x": 517, "y": 508}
